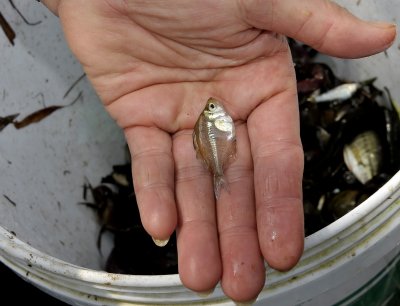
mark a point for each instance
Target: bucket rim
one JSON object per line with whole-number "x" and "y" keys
{"x": 11, "y": 246}
{"x": 356, "y": 214}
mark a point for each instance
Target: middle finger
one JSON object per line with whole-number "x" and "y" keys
{"x": 197, "y": 237}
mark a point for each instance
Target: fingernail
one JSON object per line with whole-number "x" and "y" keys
{"x": 205, "y": 294}
{"x": 248, "y": 303}
{"x": 383, "y": 24}
{"x": 160, "y": 242}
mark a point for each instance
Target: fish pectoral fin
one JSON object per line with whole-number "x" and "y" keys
{"x": 198, "y": 156}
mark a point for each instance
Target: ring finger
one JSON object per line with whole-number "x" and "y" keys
{"x": 243, "y": 265}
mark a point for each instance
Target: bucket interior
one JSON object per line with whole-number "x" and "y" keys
{"x": 44, "y": 165}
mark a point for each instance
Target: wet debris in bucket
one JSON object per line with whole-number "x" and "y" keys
{"x": 4, "y": 121}
{"x": 76, "y": 82}
{"x": 350, "y": 133}
{"x": 134, "y": 251}
{"x": 22, "y": 16}
{"x": 34, "y": 117}
{"x": 10, "y": 201}
{"x": 8, "y": 30}
{"x": 40, "y": 114}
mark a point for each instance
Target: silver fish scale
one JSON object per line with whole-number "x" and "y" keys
{"x": 213, "y": 143}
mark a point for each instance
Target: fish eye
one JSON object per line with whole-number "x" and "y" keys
{"x": 211, "y": 106}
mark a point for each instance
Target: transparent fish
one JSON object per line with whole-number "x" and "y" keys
{"x": 214, "y": 140}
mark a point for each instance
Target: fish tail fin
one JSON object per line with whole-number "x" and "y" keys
{"x": 219, "y": 183}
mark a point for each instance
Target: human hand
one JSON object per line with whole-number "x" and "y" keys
{"x": 154, "y": 64}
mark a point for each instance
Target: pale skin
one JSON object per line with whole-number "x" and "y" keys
{"x": 154, "y": 64}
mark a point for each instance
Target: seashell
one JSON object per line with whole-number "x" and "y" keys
{"x": 363, "y": 156}
{"x": 345, "y": 201}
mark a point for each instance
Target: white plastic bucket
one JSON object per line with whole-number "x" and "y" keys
{"x": 51, "y": 242}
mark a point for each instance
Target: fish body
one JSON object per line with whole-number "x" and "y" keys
{"x": 340, "y": 93}
{"x": 214, "y": 140}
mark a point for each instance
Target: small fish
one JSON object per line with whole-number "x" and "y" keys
{"x": 340, "y": 93}
{"x": 214, "y": 140}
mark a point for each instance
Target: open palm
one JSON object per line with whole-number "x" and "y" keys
{"x": 154, "y": 64}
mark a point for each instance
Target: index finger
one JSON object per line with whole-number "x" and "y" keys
{"x": 278, "y": 168}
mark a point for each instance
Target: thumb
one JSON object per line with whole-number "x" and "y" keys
{"x": 322, "y": 24}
